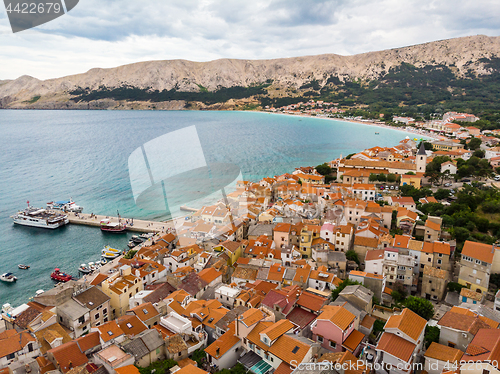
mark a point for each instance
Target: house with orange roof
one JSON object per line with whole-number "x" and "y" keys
{"x": 283, "y": 352}
{"x": 67, "y": 356}
{"x": 432, "y": 229}
{"x": 234, "y": 249}
{"x": 224, "y": 352}
{"x": 120, "y": 287}
{"x": 458, "y": 329}
{"x": 211, "y": 276}
{"x": 307, "y": 235}
{"x": 374, "y": 261}
{"x": 332, "y": 327}
{"x": 439, "y": 357}
{"x": 402, "y": 201}
{"x": 109, "y": 333}
{"x": 406, "y": 219}
{"x": 401, "y": 341}
{"x": 475, "y": 266}
{"x": 17, "y": 346}
{"x": 147, "y": 313}
{"x": 482, "y": 353}
{"x": 322, "y": 280}
{"x": 259, "y": 247}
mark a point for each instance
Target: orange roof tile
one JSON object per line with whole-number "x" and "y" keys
{"x": 279, "y": 328}
{"x": 129, "y": 369}
{"x": 396, "y": 346}
{"x": 222, "y": 345}
{"x": 191, "y": 369}
{"x": 407, "y": 322}
{"x": 480, "y": 251}
{"x": 443, "y": 353}
{"x": 353, "y": 340}
{"x": 131, "y": 325}
{"x": 145, "y": 311}
{"x": 68, "y": 356}
{"x": 338, "y": 315}
{"x": 289, "y": 349}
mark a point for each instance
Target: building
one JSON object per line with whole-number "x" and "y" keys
{"x": 475, "y": 266}
{"x": 458, "y": 329}
{"x": 440, "y": 358}
{"x": 332, "y": 327}
{"x": 98, "y": 304}
{"x": 434, "y": 282}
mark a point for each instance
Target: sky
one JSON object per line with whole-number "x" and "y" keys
{"x": 109, "y": 33}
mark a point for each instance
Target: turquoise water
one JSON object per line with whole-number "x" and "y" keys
{"x": 54, "y": 155}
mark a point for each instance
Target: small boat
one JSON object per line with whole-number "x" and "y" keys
{"x": 377, "y": 133}
{"x": 131, "y": 244}
{"x": 65, "y": 205}
{"x": 136, "y": 239}
{"x": 8, "y": 277}
{"x": 115, "y": 227}
{"x": 109, "y": 249}
{"x": 60, "y": 276}
{"x": 146, "y": 235}
{"x": 24, "y": 267}
{"x": 84, "y": 269}
{"x": 110, "y": 255}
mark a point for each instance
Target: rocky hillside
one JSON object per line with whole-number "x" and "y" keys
{"x": 229, "y": 83}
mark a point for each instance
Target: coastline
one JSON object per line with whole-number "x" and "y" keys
{"x": 422, "y": 133}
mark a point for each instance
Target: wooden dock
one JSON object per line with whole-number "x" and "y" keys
{"x": 132, "y": 225}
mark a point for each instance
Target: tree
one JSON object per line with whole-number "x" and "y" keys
{"x": 479, "y": 153}
{"x": 454, "y": 287}
{"x": 324, "y": 169}
{"x": 158, "y": 367}
{"x": 341, "y": 286}
{"x": 427, "y": 146}
{"x": 391, "y": 178}
{"x": 461, "y": 234}
{"x": 474, "y": 144}
{"x": 352, "y": 256}
{"x": 373, "y": 178}
{"x": 422, "y": 307}
{"x": 381, "y": 178}
{"x": 441, "y": 194}
{"x": 431, "y": 335}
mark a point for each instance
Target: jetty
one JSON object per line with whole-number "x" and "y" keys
{"x": 132, "y": 224}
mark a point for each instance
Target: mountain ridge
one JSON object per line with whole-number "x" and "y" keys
{"x": 463, "y": 56}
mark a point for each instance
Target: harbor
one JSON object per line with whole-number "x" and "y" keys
{"x": 132, "y": 224}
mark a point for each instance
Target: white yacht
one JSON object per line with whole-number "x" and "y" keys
{"x": 65, "y": 205}
{"x": 8, "y": 277}
{"x": 39, "y": 217}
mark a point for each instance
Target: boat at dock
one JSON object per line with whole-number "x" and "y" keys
{"x": 115, "y": 227}
{"x": 8, "y": 277}
{"x": 136, "y": 239}
{"x": 60, "y": 276}
{"x": 24, "y": 267}
{"x": 131, "y": 244}
{"x": 40, "y": 217}
{"x": 65, "y": 205}
{"x": 109, "y": 253}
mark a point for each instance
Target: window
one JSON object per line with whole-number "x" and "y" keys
{"x": 320, "y": 339}
{"x": 440, "y": 262}
{"x": 295, "y": 350}
{"x": 105, "y": 311}
{"x": 105, "y": 319}
{"x": 129, "y": 325}
{"x": 110, "y": 333}
{"x": 30, "y": 347}
{"x": 333, "y": 344}
{"x": 11, "y": 356}
{"x": 96, "y": 316}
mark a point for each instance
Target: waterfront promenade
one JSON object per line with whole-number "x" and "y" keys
{"x": 132, "y": 224}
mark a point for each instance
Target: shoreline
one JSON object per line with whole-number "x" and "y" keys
{"x": 367, "y": 123}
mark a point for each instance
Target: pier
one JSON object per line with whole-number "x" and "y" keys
{"x": 138, "y": 225}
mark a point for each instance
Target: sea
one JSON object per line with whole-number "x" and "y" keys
{"x": 85, "y": 155}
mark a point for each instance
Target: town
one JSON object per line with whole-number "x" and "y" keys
{"x": 385, "y": 261}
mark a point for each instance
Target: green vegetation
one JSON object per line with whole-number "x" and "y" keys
{"x": 324, "y": 169}
{"x": 351, "y": 255}
{"x": 431, "y": 335}
{"x": 422, "y": 307}
{"x": 199, "y": 356}
{"x": 158, "y": 367}
{"x": 344, "y": 284}
{"x": 474, "y": 215}
{"x": 130, "y": 254}
{"x": 130, "y": 93}
{"x": 33, "y": 100}
{"x": 378, "y": 326}
{"x": 202, "y": 89}
{"x": 427, "y": 146}
{"x": 454, "y": 287}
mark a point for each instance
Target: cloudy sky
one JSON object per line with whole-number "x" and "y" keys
{"x": 108, "y": 33}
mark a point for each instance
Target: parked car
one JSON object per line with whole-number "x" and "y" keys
{"x": 396, "y": 187}
{"x": 497, "y": 178}
{"x": 392, "y": 187}
{"x": 447, "y": 184}
{"x": 381, "y": 187}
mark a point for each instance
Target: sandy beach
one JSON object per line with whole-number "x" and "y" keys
{"x": 411, "y": 130}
